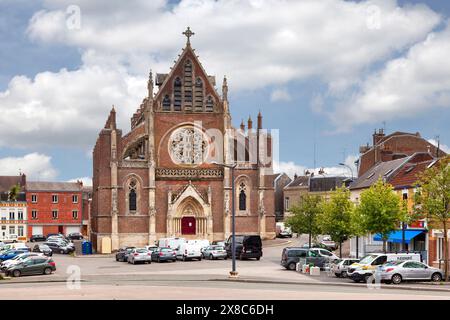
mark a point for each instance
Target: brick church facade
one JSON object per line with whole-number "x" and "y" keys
{"x": 165, "y": 177}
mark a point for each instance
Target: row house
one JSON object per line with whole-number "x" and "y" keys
{"x": 13, "y": 209}
{"x": 55, "y": 207}
{"x": 402, "y": 174}
{"x": 312, "y": 185}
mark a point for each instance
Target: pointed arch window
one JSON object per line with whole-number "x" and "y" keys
{"x": 198, "y": 102}
{"x": 188, "y": 85}
{"x": 209, "y": 104}
{"x": 132, "y": 196}
{"x": 166, "y": 103}
{"x": 242, "y": 197}
{"x": 177, "y": 94}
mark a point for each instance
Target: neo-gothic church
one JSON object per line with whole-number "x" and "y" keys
{"x": 165, "y": 177}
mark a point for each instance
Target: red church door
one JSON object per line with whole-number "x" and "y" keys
{"x": 188, "y": 225}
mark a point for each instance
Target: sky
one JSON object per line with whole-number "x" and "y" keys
{"x": 324, "y": 73}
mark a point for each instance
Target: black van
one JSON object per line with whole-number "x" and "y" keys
{"x": 247, "y": 246}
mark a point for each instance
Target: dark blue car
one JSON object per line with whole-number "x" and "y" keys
{"x": 10, "y": 254}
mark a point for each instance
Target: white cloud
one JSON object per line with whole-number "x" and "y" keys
{"x": 66, "y": 107}
{"x": 255, "y": 43}
{"x": 87, "y": 181}
{"x": 442, "y": 146}
{"x": 291, "y": 168}
{"x": 36, "y": 166}
{"x": 280, "y": 94}
{"x": 405, "y": 87}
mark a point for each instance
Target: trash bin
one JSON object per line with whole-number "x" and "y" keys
{"x": 87, "y": 247}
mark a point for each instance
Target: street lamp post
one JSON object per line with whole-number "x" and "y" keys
{"x": 233, "y": 272}
{"x": 357, "y": 238}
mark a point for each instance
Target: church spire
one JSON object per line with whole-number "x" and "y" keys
{"x": 249, "y": 123}
{"x": 242, "y": 125}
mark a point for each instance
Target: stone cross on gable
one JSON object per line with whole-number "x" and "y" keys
{"x": 188, "y": 33}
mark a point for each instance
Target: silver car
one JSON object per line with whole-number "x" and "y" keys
{"x": 139, "y": 255}
{"x": 214, "y": 252}
{"x": 398, "y": 271}
{"x": 340, "y": 267}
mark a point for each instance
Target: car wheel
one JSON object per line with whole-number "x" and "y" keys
{"x": 159, "y": 260}
{"x": 291, "y": 266}
{"x": 16, "y": 273}
{"x": 436, "y": 277}
{"x": 257, "y": 259}
{"x": 47, "y": 271}
{"x": 211, "y": 257}
{"x": 337, "y": 275}
{"x": 61, "y": 251}
{"x": 396, "y": 279}
{"x": 344, "y": 274}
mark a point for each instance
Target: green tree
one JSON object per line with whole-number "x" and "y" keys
{"x": 379, "y": 210}
{"x": 433, "y": 199}
{"x": 304, "y": 217}
{"x": 14, "y": 192}
{"x": 336, "y": 218}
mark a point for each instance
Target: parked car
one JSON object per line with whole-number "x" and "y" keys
{"x": 60, "y": 248}
{"x": 32, "y": 265}
{"x": 328, "y": 243}
{"x": 12, "y": 238}
{"x": 122, "y": 254}
{"x": 325, "y": 253}
{"x": 291, "y": 256}
{"x": 247, "y": 246}
{"x": 282, "y": 231}
{"x": 56, "y": 235}
{"x": 43, "y": 248}
{"x": 164, "y": 254}
{"x": 61, "y": 242}
{"x": 151, "y": 248}
{"x": 315, "y": 245}
{"x": 215, "y": 252}
{"x": 397, "y": 271}
{"x": 37, "y": 237}
{"x": 10, "y": 254}
{"x": 139, "y": 255}
{"x": 189, "y": 251}
{"x": 17, "y": 259}
{"x": 340, "y": 267}
{"x": 75, "y": 236}
{"x": 218, "y": 243}
{"x": 365, "y": 268}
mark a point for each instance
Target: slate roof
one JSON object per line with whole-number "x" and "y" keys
{"x": 300, "y": 181}
{"x": 382, "y": 169}
{"x": 54, "y": 186}
{"x": 6, "y": 182}
{"x": 324, "y": 184}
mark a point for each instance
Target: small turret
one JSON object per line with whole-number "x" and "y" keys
{"x": 249, "y": 123}
{"x": 242, "y": 125}
{"x": 259, "y": 120}
{"x": 225, "y": 89}
{"x": 111, "y": 122}
{"x": 150, "y": 85}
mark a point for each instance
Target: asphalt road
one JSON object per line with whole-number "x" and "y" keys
{"x": 101, "y": 277}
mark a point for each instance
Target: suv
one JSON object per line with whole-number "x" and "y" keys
{"x": 122, "y": 254}
{"x": 247, "y": 246}
{"x": 75, "y": 236}
{"x": 37, "y": 237}
{"x": 291, "y": 256}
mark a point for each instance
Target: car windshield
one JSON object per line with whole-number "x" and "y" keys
{"x": 44, "y": 247}
{"x": 166, "y": 250}
{"x": 141, "y": 250}
{"x": 217, "y": 248}
{"x": 393, "y": 263}
{"x": 368, "y": 259}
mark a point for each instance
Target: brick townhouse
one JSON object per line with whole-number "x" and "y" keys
{"x": 54, "y": 207}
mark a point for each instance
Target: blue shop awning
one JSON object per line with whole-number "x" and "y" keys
{"x": 396, "y": 236}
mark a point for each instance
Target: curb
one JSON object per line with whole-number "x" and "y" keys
{"x": 278, "y": 244}
{"x": 334, "y": 284}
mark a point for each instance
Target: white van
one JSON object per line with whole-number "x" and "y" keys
{"x": 189, "y": 250}
{"x": 172, "y": 243}
{"x": 203, "y": 243}
{"x": 362, "y": 270}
